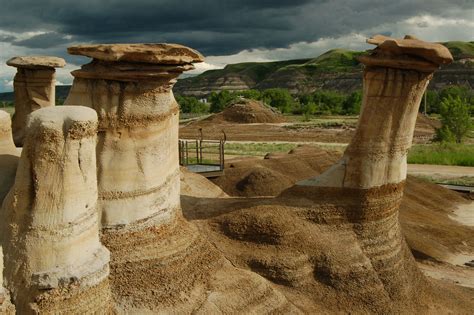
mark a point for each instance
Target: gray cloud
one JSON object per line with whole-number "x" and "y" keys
{"x": 212, "y": 26}
{"x": 45, "y": 40}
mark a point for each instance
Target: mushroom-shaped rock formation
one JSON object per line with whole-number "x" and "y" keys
{"x": 395, "y": 78}
{"x": 54, "y": 261}
{"x": 34, "y": 86}
{"x": 365, "y": 188}
{"x": 8, "y": 155}
{"x": 137, "y": 153}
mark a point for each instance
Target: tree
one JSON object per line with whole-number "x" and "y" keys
{"x": 352, "y": 103}
{"x": 189, "y": 104}
{"x": 251, "y": 94}
{"x": 455, "y": 119}
{"x": 279, "y": 98}
{"x": 220, "y": 100}
{"x": 329, "y": 102}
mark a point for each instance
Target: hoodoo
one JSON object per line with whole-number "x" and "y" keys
{"x": 34, "y": 86}
{"x": 137, "y": 153}
{"x": 395, "y": 77}
{"x": 54, "y": 261}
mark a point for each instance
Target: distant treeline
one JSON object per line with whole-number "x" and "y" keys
{"x": 322, "y": 102}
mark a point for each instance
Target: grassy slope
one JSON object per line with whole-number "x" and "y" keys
{"x": 335, "y": 60}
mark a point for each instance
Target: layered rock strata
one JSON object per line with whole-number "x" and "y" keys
{"x": 364, "y": 189}
{"x": 54, "y": 261}
{"x": 34, "y": 86}
{"x": 395, "y": 78}
{"x": 137, "y": 153}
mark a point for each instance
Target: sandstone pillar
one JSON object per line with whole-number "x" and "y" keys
{"x": 365, "y": 188}
{"x": 54, "y": 261}
{"x": 137, "y": 153}
{"x": 34, "y": 86}
{"x": 8, "y": 155}
{"x": 396, "y": 75}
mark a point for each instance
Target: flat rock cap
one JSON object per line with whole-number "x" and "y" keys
{"x": 171, "y": 54}
{"x": 432, "y": 52}
{"x": 36, "y": 62}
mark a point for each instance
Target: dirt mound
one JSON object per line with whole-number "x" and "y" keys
{"x": 425, "y": 211}
{"x": 270, "y": 176}
{"x": 262, "y": 181}
{"x": 246, "y": 111}
{"x": 195, "y": 185}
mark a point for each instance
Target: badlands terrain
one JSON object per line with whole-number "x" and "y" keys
{"x": 98, "y": 217}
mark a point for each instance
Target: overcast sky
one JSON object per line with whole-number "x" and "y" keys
{"x": 225, "y": 31}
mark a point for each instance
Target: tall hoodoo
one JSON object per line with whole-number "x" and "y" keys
{"x": 396, "y": 75}
{"x": 54, "y": 261}
{"x": 129, "y": 85}
{"x": 34, "y": 85}
{"x": 367, "y": 184}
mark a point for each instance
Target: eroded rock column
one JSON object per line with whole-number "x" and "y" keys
{"x": 137, "y": 153}
{"x": 34, "y": 86}
{"x": 54, "y": 261}
{"x": 365, "y": 188}
{"x": 396, "y": 75}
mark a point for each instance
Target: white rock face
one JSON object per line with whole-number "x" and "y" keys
{"x": 137, "y": 150}
{"x": 52, "y": 235}
{"x": 34, "y": 86}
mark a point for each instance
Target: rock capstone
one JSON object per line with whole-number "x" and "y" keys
{"x": 137, "y": 152}
{"x": 33, "y": 86}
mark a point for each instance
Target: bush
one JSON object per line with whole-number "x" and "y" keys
{"x": 455, "y": 119}
{"x": 279, "y": 98}
{"x": 352, "y": 104}
{"x": 220, "y": 100}
{"x": 191, "y": 105}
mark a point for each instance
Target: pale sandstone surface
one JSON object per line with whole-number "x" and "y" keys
{"x": 54, "y": 261}
{"x": 8, "y": 155}
{"x": 5, "y": 305}
{"x": 392, "y": 93}
{"x": 137, "y": 154}
{"x": 36, "y": 62}
{"x": 170, "y": 54}
{"x": 160, "y": 262}
{"x": 34, "y": 88}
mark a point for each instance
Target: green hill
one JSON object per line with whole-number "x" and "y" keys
{"x": 336, "y": 69}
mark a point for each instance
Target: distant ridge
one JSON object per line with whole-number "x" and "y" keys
{"x": 336, "y": 69}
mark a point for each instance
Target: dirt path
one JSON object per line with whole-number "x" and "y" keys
{"x": 440, "y": 170}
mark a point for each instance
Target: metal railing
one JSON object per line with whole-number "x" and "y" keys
{"x": 201, "y": 152}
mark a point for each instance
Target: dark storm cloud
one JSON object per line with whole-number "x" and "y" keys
{"x": 46, "y": 40}
{"x": 212, "y": 26}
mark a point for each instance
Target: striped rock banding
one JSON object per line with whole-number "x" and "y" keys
{"x": 34, "y": 88}
{"x": 54, "y": 261}
{"x": 137, "y": 153}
